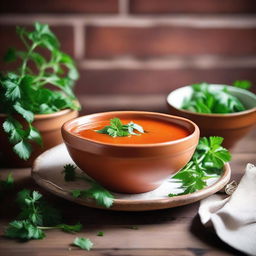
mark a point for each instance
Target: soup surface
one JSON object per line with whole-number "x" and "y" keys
{"x": 156, "y": 131}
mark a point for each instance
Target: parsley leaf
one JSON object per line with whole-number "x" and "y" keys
{"x": 117, "y": 129}
{"x": 207, "y": 162}
{"x": 34, "y": 135}
{"x": 205, "y": 99}
{"x": 102, "y": 196}
{"x": 116, "y": 123}
{"x": 12, "y": 90}
{"x": 70, "y": 228}
{"x": 215, "y": 154}
{"x": 23, "y": 149}
{"x": 24, "y": 230}
{"x": 37, "y": 210}
{"x": 83, "y": 243}
{"x": 28, "y": 115}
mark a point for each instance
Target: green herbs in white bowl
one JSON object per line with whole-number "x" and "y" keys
{"x": 213, "y": 99}
{"x": 207, "y": 98}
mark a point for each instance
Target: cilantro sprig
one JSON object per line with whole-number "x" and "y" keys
{"x": 207, "y": 162}
{"x": 25, "y": 92}
{"x": 102, "y": 196}
{"x": 117, "y": 129}
{"x": 35, "y": 217}
{"x": 209, "y": 101}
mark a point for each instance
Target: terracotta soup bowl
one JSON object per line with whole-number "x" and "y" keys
{"x": 232, "y": 127}
{"x": 130, "y": 168}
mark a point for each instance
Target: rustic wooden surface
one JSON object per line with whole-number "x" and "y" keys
{"x": 176, "y": 231}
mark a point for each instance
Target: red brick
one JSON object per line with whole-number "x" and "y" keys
{"x": 110, "y": 42}
{"x": 9, "y": 39}
{"x": 102, "y": 103}
{"x": 190, "y": 6}
{"x": 120, "y": 81}
{"x": 59, "y": 6}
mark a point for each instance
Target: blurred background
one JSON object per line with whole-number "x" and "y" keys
{"x": 132, "y": 53}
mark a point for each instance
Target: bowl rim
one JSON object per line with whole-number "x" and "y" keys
{"x": 244, "y": 112}
{"x": 50, "y": 115}
{"x": 148, "y": 145}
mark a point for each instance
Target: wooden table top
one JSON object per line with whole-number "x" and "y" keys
{"x": 176, "y": 231}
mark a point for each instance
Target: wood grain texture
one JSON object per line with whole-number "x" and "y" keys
{"x": 176, "y": 231}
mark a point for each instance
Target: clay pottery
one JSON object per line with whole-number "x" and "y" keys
{"x": 49, "y": 126}
{"x": 130, "y": 168}
{"x": 232, "y": 127}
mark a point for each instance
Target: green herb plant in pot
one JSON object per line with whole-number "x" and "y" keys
{"x": 37, "y": 98}
{"x": 218, "y": 110}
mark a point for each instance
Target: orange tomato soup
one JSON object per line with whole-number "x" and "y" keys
{"x": 155, "y": 132}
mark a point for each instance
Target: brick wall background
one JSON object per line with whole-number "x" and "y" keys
{"x": 131, "y": 53}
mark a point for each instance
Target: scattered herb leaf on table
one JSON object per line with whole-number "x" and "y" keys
{"x": 102, "y": 196}
{"x": 83, "y": 243}
{"x": 25, "y": 92}
{"x": 207, "y": 162}
{"x": 36, "y": 216}
{"x": 100, "y": 233}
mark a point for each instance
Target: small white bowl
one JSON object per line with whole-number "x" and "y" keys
{"x": 232, "y": 127}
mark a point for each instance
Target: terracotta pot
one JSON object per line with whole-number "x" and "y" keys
{"x": 232, "y": 127}
{"x": 130, "y": 168}
{"x": 49, "y": 126}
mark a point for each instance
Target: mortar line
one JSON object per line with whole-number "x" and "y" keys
{"x": 193, "y": 21}
{"x": 123, "y": 7}
{"x": 79, "y": 40}
{"x": 198, "y": 62}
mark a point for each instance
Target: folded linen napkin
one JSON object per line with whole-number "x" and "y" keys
{"x": 234, "y": 217}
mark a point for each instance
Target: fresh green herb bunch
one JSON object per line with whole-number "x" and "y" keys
{"x": 207, "y": 162}
{"x": 205, "y": 99}
{"x": 25, "y": 92}
{"x": 35, "y": 217}
{"x": 117, "y": 129}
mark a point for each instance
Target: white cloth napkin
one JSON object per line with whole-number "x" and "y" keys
{"x": 234, "y": 217}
